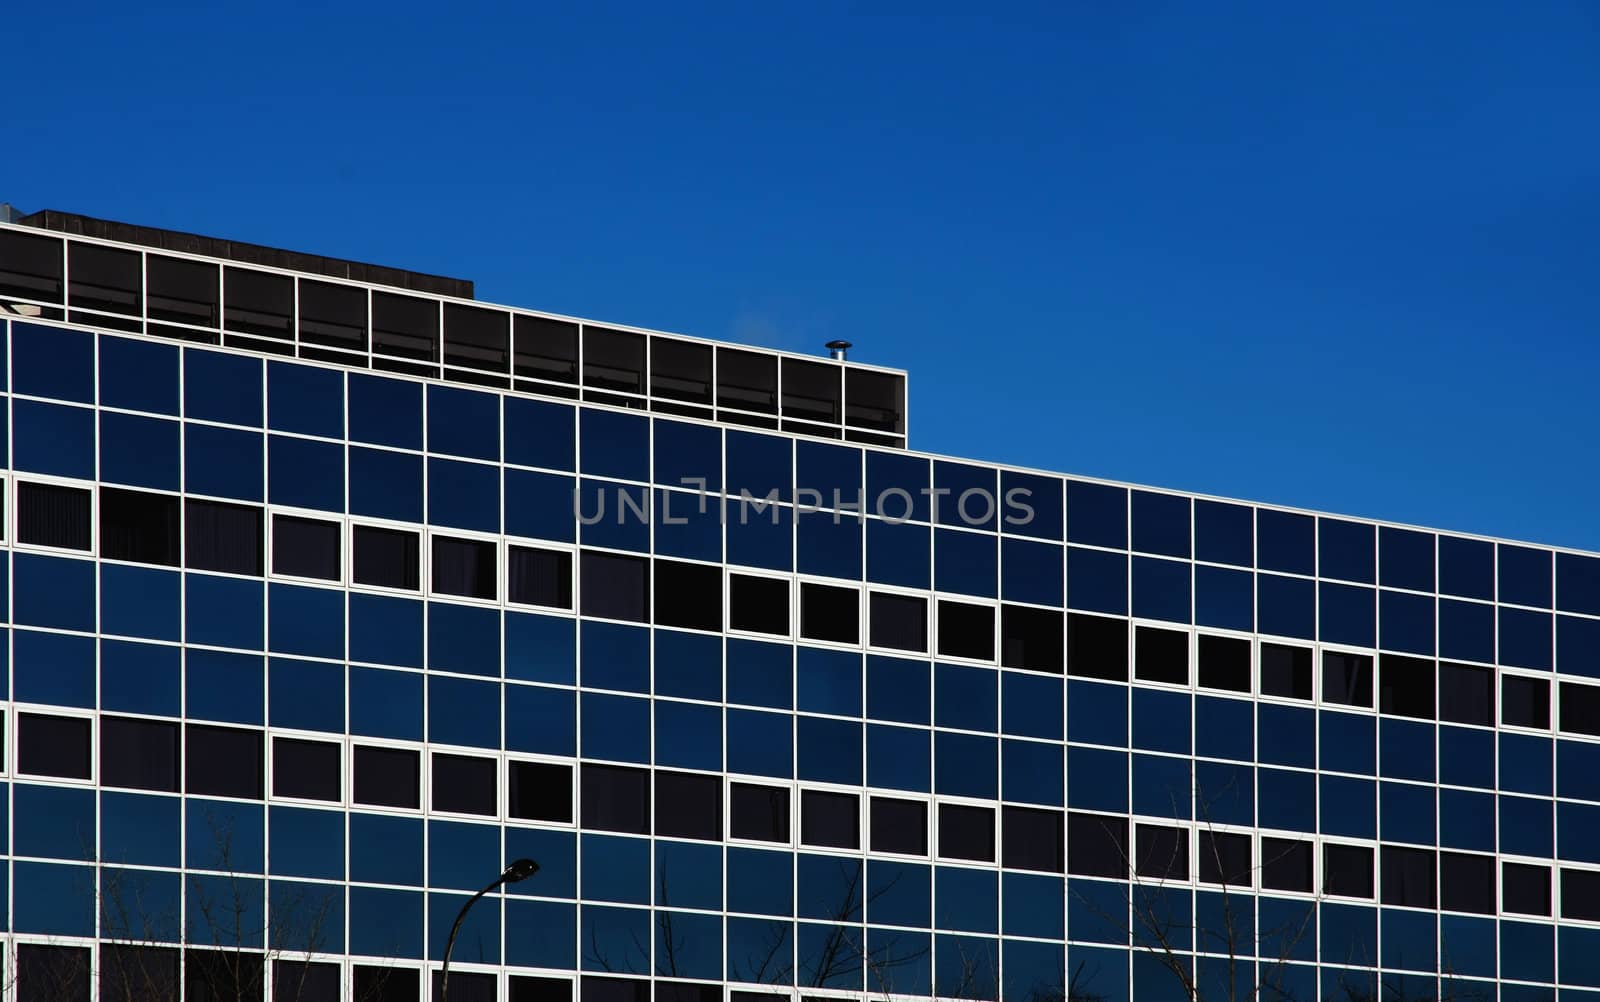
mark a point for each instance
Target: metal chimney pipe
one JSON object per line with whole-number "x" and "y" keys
{"x": 839, "y": 350}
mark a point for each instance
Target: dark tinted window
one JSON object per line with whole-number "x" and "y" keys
{"x": 52, "y": 973}
{"x": 899, "y": 825}
{"x": 181, "y": 291}
{"x": 30, "y": 267}
{"x": 1224, "y": 663}
{"x": 1347, "y": 678}
{"x": 131, "y": 973}
{"x": 464, "y": 784}
{"x": 310, "y": 770}
{"x": 1466, "y": 883}
{"x": 1405, "y": 686}
{"x": 103, "y": 278}
{"x": 306, "y": 547}
{"x": 689, "y": 805}
{"x": 680, "y": 370}
{"x": 1286, "y": 671}
{"x": 1525, "y": 702}
{"x": 1347, "y": 870}
{"x": 1097, "y": 845}
{"x": 546, "y": 349}
{"x": 830, "y": 613}
{"x": 473, "y": 986}
{"x": 1031, "y": 638}
{"x": 1525, "y": 889}
{"x": 1286, "y": 864}
{"x": 899, "y": 622}
{"x": 1162, "y": 852}
{"x": 222, "y": 537}
{"x": 464, "y": 567}
{"x": 532, "y": 989}
{"x": 405, "y": 326}
{"x": 966, "y": 631}
{"x": 616, "y": 799}
{"x": 810, "y": 390}
{"x": 387, "y": 777}
{"x": 598, "y": 989}
{"x": 139, "y": 527}
{"x": 688, "y": 595}
{"x": 615, "y": 587}
{"x": 1580, "y": 895}
{"x": 758, "y": 812}
{"x": 1161, "y": 655}
{"x": 760, "y": 605}
{"x": 541, "y": 791}
{"x": 1466, "y": 694}
{"x": 258, "y": 303}
{"x": 476, "y": 338}
{"x": 1031, "y": 839}
{"x": 1408, "y": 877}
{"x": 52, "y": 515}
{"x": 966, "y": 832}
{"x": 1580, "y": 708}
{"x": 385, "y": 984}
{"x": 334, "y": 315}
{"x": 830, "y": 819}
{"x": 222, "y": 761}
{"x": 1225, "y": 858}
{"x": 747, "y": 380}
{"x": 386, "y": 558}
{"x": 613, "y": 360}
{"x": 140, "y": 754}
{"x": 1097, "y": 647}
{"x": 539, "y": 577}
{"x": 53, "y": 746}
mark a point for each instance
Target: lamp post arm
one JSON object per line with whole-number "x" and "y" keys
{"x": 450, "y": 944}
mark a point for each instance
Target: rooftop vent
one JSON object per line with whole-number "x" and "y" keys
{"x": 839, "y": 350}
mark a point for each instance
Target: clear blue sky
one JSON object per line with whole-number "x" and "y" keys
{"x": 1345, "y": 259}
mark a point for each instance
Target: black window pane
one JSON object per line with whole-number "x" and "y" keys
{"x": 966, "y": 832}
{"x": 1286, "y": 671}
{"x": 689, "y": 805}
{"x": 305, "y": 547}
{"x": 546, "y": 349}
{"x": 1466, "y": 883}
{"x": 899, "y": 622}
{"x": 333, "y": 315}
{"x": 680, "y": 370}
{"x": 307, "y": 769}
{"x": 613, "y": 360}
{"x": 874, "y": 400}
{"x": 1286, "y": 864}
{"x": 467, "y": 986}
{"x": 181, "y": 291}
{"x": 52, "y": 515}
{"x": 830, "y": 613}
{"x": 476, "y": 338}
{"x": 899, "y": 825}
{"x": 760, "y": 605}
{"x": 222, "y": 537}
{"x": 129, "y": 973}
{"x": 616, "y": 799}
{"x": 255, "y": 302}
{"x": 1525, "y": 888}
{"x": 1408, "y": 876}
{"x": 139, "y": 754}
{"x": 1097, "y": 647}
{"x": 1031, "y": 839}
{"x": 539, "y": 577}
{"x": 53, "y": 746}
{"x": 1405, "y": 686}
{"x": 52, "y": 973}
{"x": 1032, "y": 638}
{"x": 1162, "y": 852}
{"x": 688, "y": 595}
{"x": 405, "y": 326}
{"x": 758, "y": 812}
{"x": 598, "y": 989}
{"x": 1580, "y": 708}
{"x": 747, "y": 380}
{"x": 30, "y": 267}
{"x": 103, "y": 278}
{"x": 615, "y": 587}
{"x": 1224, "y": 663}
{"x": 1580, "y": 895}
{"x": 385, "y": 984}
{"x": 541, "y": 791}
{"x": 1347, "y": 870}
{"x": 830, "y": 819}
{"x": 1161, "y": 655}
{"x": 140, "y": 527}
{"x": 387, "y": 777}
{"x": 222, "y": 761}
{"x": 1097, "y": 845}
{"x": 222, "y": 975}
{"x": 1225, "y": 858}
{"x": 1525, "y": 702}
{"x": 465, "y": 567}
{"x": 464, "y": 784}
{"x": 811, "y": 390}
{"x": 1347, "y": 678}
{"x": 304, "y": 981}
{"x": 1466, "y": 694}
{"x": 966, "y": 630}
{"x": 533, "y": 989}
{"x": 682, "y": 991}
{"x": 386, "y": 558}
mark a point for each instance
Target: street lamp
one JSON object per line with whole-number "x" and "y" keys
{"x": 519, "y": 870}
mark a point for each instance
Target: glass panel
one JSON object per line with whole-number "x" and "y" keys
{"x": 465, "y": 567}
{"x": 541, "y": 791}
{"x": 306, "y": 547}
{"x": 30, "y": 267}
{"x": 222, "y": 537}
{"x": 476, "y": 338}
{"x": 546, "y": 349}
{"x": 139, "y": 527}
{"x": 103, "y": 278}
{"x": 387, "y": 777}
{"x": 139, "y": 754}
{"x": 387, "y": 558}
{"x": 255, "y": 302}
{"x": 310, "y": 770}
{"x": 333, "y": 315}
{"x": 53, "y": 746}
{"x": 747, "y": 380}
{"x": 680, "y": 370}
{"x": 875, "y": 400}
{"x": 613, "y": 360}
{"x": 464, "y": 784}
{"x": 181, "y": 291}
{"x": 51, "y": 515}
{"x": 405, "y": 326}
{"x": 222, "y": 761}
{"x": 811, "y": 390}
{"x": 539, "y": 577}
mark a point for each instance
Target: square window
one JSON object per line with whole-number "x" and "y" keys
{"x": 53, "y": 515}
{"x": 1162, "y": 852}
{"x": 899, "y": 622}
{"x": 899, "y": 825}
{"x": 139, "y": 526}
{"x": 1285, "y": 671}
{"x": 465, "y": 567}
{"x": 222, "y": 537}
{"x": 757, "y": 604}
{"x": 1525, "y": 702}
{"x": 53, "y": 746}
{"x": 308, "y": 770}
{"x": 1347, "y": 870}
{"x": 1161, "y": 655}
{"x": 1466, "y": 883}
{"x": 1347, "y": 678}
{"x": 1225, "y": 858}
{"x": 1225, "y": 663}
{"x": 614, "y": 587}
{"x": 1408, "y": 877}
{"x": 1466, "y": 694}
{"x": 305, "y": 547}
{"x": 757, "y": 812}
{"x": 1097, "y": 845}
{"x": 1097, "y": 647}
{"x": 541, "y": 791}
{"x": 539, "y": 577}
{"x": 222, "y": 761}
{"x": 1286, "y": 864}
{"x": 830, "y": 613}
{"x": 1031, "y": 638}
{"x": 52, "y": 973}
{"x": 1031, "y": 839}
{"x": 387, "y": 777}
{"x": 464, "y": 784}
{"x": 385, "y": 558}
{"x": 688, "y": 805}
{"x": 966, "y": 630}
{"x": 688, "y": 595}
{"x": 1525, "y": 889}
{"x": 830, "y": 819}
{"x": 139, "y": 754}
{"x": 616, "y": 799}
{"x": 1580, "y": 708}
{"x": 1405, "y": 686}
{"x": 966, "y": 832}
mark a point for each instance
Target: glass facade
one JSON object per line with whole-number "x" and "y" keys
{"x": 300, "y": 655}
